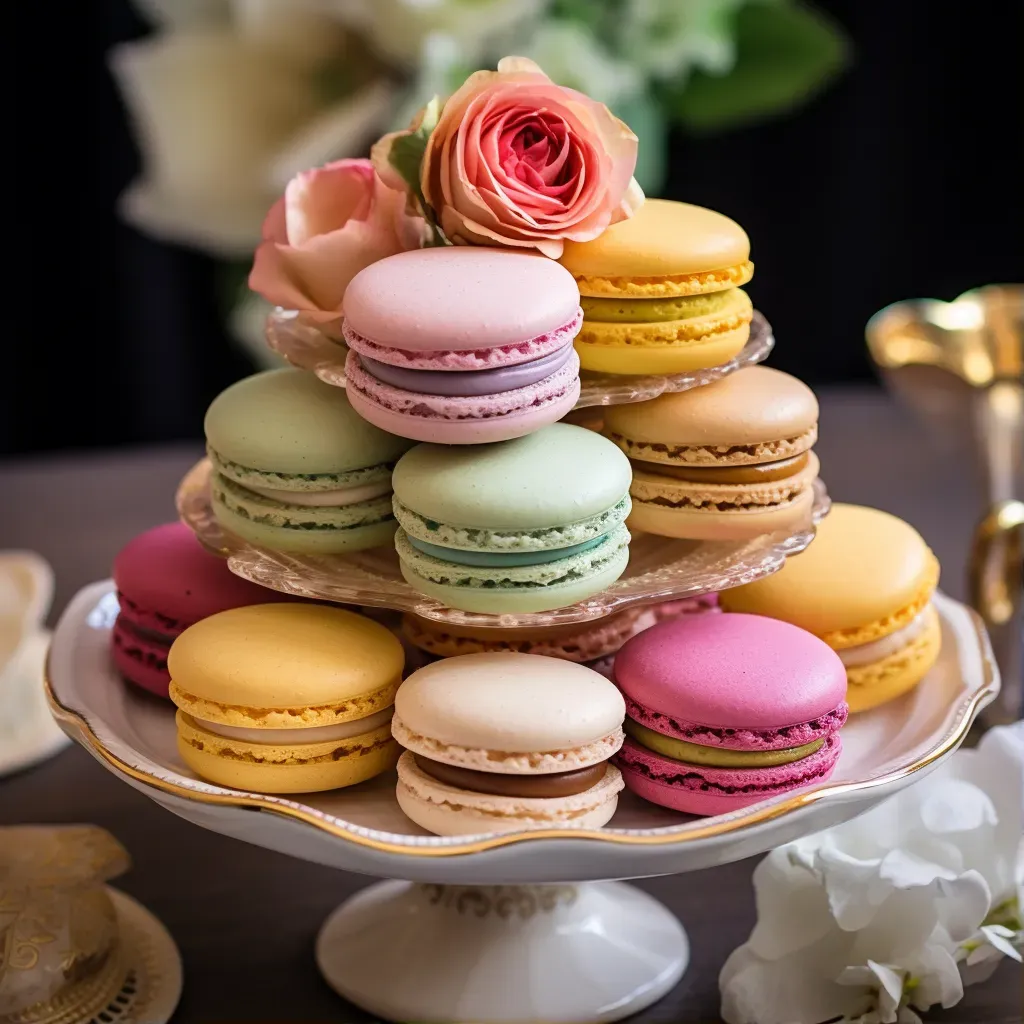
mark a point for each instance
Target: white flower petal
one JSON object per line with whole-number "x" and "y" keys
{"x": 1000, "y": 938}
{"x": 792, "y": 908}
{"x": 957, "y": 806}
{"x": 937, "y": 979}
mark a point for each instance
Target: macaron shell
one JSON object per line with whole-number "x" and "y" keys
{"x": 141, "y": 660}
{"x": 731, "y": 671}
{"x": 300, "y": 768}
{"x": 291, "y": 664}
{"x": 492, "y": 421}
{"x": 288, "y": 421}
{"x": 707, "y": 791}
{"x": 459, "y": 297}
{"x": 517, "y": 600}
{"x": 713, "y": 350}
{"x": 289, "y": 532}
{"x": 508, "y": 486}
{"x": 753, "y": 406}
{"x": 885, "y": 680}
{"x": 514, "y": 703}
{"x": 167, "y": 580}
{"x": 447, "y": 811}
{"x": 740, "y": 524}
{"x": 866, "y": 575}
{"x": 663, "y": 239}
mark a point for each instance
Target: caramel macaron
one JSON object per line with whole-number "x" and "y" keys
{"x": 865, "y": 587}
{"x": 728, "y": 461}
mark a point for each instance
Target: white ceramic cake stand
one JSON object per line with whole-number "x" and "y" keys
{"x": 514, "y": 927}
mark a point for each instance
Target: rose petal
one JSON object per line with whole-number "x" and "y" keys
{"x": 323, "y": 200}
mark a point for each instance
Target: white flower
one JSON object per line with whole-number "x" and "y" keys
{"x": 397, "y": 28}
{"x": 895, "y": 910}
{"x": 228, "y": 103}
{"x": 572, "y": 56}
{"x": 669, "y": 38}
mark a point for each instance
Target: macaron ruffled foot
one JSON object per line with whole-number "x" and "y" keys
{"x": 505, "y": 742}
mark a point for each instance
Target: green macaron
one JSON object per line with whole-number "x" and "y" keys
{"x": 517, "y": 526}
{"x": 297, "y": 469}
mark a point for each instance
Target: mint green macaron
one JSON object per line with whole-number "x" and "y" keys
{"x": 516, "y": 526}
{"x": 297, "y": 469}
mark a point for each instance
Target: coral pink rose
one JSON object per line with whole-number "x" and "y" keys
{"x": 331, "y": 223}
{"x": 516, "y": 160}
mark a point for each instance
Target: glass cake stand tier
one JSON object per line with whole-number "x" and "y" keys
{"x": 316, "y": 347}
{"x": 659, "y": 569}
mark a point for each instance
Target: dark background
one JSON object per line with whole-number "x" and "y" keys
{"x": 903, "y": 179}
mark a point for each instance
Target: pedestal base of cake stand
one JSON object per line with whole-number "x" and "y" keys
{"x": 592, "y": 952}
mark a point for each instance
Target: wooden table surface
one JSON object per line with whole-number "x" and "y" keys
{"x": 244, "y": 917}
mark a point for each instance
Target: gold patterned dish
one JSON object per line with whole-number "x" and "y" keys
{"x": 305, "y": 344}
{"x": 659, "y": 569}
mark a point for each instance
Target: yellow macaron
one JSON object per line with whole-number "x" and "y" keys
{"x": 865, "y": 587}
{"x": 286, "y": 698}
{"x": 660, "y": 291}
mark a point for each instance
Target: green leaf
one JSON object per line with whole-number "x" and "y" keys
{"x": 785, "y": 53}
{"x": 406, "y": 156}
{"x": 645, "y": 116}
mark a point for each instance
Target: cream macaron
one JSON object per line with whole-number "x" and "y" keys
{"x": 286, "y": 698}
{"x": 500, "y": 742}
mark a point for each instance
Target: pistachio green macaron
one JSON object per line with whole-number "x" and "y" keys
{"x": 297, "y": 469}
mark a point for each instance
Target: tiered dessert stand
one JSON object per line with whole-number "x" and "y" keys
{"x": 519, "y": 926}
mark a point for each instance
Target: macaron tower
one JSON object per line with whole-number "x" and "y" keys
{"x": 661, "y": 291}
{"x": 295, "y": 467}
{"x": 501, "y": 742}
{"x": 727, "y": 461}
{"x": 286, "y": 698}
{"x": 167, "y": 581}
{"x": 727, "y": 710}
{"x": 462, "y": 345}
{"x": 865, "y": 587}
{"x": 526, "y": 525}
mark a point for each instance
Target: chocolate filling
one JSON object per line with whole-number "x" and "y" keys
{"x": 759, "y": 473}
{"x": 554, "y": 784}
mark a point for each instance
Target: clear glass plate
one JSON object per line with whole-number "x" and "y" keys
{"x": 315, "y": 346}
{"x": 659, "y": 569}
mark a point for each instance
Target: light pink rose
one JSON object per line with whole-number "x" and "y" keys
{"x": 331, "y": 223}
{"x": 516, "y": 160}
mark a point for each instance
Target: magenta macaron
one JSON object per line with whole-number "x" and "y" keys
{"x": 727, "y": 710}
{"x": 166, "y": 581}
{"x": 462, "y": 345}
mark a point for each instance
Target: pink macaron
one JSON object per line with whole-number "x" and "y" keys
{"x": 166, "y": 581}
{"x": 462, "y": 345}
{"x": 727, "y": 710}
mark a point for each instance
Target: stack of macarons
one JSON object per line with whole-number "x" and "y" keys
{"x": 727, "y": 710}
{"x": 518, "y": 526}
{"x": 297, "y": 469}
{"x": 502, "y": 742}
{"x": 286, "y": 698}
{"x": 727, "y": 461}
{"x": 593, "y": 643}
{"x": 865, "y": 587}
{"x": 660, "y": 291}
{"x": 460, "y": 345}
{"x": 167, "y": 581}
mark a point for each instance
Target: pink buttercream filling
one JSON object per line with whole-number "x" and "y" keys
{"x": 740, "y": 738}
{"x": 466, "y": 359}
{"x": 664, "y": 771}
{"x": 408, "y": 403}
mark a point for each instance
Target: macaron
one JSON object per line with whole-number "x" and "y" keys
{"x": 297, "y": 469}
{"x": 516, "y": 526}
{"x": 588, "y": 643}
{"x": 462, "y": 345}
{"x": 727, "y": 461}
{"x": 286, "y": 698}
{"x": 865, "y": 588}
{"x": 724, "y": 711}
{"x": 660, "y": 291}
{"x": 166, "y": 581}
{"x": 503, "y": 742}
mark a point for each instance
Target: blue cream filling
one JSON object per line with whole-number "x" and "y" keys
{"x": 500, "y": 560}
